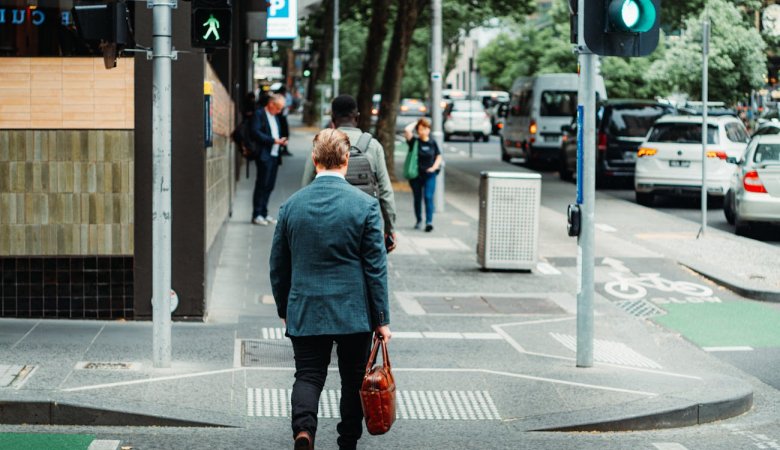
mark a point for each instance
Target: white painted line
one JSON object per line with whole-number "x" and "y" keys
{"x": 442, "y": 335}
{"x": 18, "y": 385}
{"x": 407, "y": 335}
{"x": 736, "y": 348}
{"x": 25, "y": 335}
{"x": 669, "y": 446}
{"x": 615, "y": 264}
{"x": 150, "y": 380}
{"x": 609, "y": 352}
{"x": 236, "y": 351}
{"x": 485, "y": 336}
{"x": 103, "y": 445}
{"x": 547, "y": 269}
{"x": 605, "y": 227}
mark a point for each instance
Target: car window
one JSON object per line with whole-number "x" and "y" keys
{"x": 736, "y": 132}
{"x": 468, "y": 105}
{"x": 558, "y": 103}
{"x": 634, "y": 120}
{"x": 688, "y": 133}
{"x": 767, "y": 153}
{"x": 767, "y": 130}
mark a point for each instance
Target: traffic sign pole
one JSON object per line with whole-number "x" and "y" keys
{"x": 436, "y": 94}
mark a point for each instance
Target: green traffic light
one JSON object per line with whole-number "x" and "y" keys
{"x": 636, "y": 16}
{"x": 213, "y": 24}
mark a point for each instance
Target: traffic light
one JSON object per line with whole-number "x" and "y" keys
{"x": 104, "y": 26}
{"x": 210, "y": 25}
{"x": 621, "y": 27}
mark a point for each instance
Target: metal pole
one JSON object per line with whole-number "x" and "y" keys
{"x": 436, "y": 83}
{"x": 336, "y": 60}
{"x": 705, "y": 50}
{"x": 162, "y": 54}
{"x": 471, "y": 98}
{"x": 586, "y": 240}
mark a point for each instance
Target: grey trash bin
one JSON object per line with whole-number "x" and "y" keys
{"x": 509, "y": 220}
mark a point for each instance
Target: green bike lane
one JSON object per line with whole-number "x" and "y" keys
{"x": 54, "y": 441}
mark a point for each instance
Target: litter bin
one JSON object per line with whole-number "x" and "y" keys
{"x": 509, "y": 220}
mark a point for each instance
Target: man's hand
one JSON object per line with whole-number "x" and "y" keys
{"x": 384, "y": 332}
{"x": 393, "y": 245}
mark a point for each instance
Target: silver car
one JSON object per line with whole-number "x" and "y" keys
{"x": 754, "y": 194}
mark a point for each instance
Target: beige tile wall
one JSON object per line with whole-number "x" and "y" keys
{"x": 66, "y": 93}
{"x": 66, "y": 192}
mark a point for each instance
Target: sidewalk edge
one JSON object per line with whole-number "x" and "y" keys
{"x": 767, "y": 295}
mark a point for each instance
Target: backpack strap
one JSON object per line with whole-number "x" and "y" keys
{"x": 363, "y": 142}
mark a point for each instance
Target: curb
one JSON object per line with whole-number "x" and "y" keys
{"x": 766, "y": 295}
{"x": 56, "y": 413}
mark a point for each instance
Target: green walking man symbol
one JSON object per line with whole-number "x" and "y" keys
{"x": 213, "y": 24}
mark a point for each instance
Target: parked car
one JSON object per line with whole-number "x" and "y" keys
{"x": 409, "y": 110}
{"x": 466, "y": 118}
{"x": 538, "y": 108}
{"x": 669, "y": 161}
{"x": 754, "y": 194}
{"x": 497, "y": 116}
{"x": 491, "y": 98}
{"x": 767, "y": 127}
{"x": 621, "y": 125}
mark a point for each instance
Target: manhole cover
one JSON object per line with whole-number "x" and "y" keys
{"x": 484, "y": 304}
{"x": 106, "y": 365}
{"x": 640, "y": 308}
{"x": 262, "y": 353}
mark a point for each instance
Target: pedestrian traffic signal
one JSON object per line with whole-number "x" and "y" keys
{"x": 104, "y": 27}
{"x": 621, "y": 27}
{"x": 210, "y": 25}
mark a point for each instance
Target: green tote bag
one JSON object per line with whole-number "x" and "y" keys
{"x": 411, "y": 169}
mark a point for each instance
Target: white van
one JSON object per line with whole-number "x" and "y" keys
{"x": 539, "y": 106}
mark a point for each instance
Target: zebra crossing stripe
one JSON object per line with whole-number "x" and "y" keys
{"x": 410, "y": 405}
{"x": 103, "y": 445}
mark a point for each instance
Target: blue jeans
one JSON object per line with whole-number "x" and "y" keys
{"x": 264, "y": 184}
{"x": 424, "y": 186}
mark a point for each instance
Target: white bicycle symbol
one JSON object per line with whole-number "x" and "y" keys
{"x": 633, "y": 288}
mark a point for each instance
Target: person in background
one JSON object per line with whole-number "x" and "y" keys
{"x": 429, "y": 160}
{"x": 284, "y": 125}
{"x": 267, "y": 140}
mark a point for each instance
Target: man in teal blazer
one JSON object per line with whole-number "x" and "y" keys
{"x": 329, "y": 279}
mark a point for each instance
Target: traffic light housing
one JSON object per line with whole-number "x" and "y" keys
{"x": 621, "y": 27}
{"x": 211, "y": 24}
{"x": 104, "y": 26}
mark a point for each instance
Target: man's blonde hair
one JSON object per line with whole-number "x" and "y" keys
{"x": 331, "y": 148}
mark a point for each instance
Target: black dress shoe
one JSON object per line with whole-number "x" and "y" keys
{"x": 303, "y": 441}
{"x": 428, "y": 228}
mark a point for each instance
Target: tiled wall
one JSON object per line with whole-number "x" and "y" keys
{"x": 66, "y": 192}
{"x": 56, "y": 93}
{"x": 218, "y": 160}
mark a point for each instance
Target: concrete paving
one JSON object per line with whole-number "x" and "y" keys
{"x": 491, "y": 349}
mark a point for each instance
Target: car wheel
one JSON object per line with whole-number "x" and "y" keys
{"x": 563, "y": 167}
{"x": 645, "y": 198}
{"x": 728, "y": 207}
{"x": 485, "y": 137}
{"x": 741, "y": 227}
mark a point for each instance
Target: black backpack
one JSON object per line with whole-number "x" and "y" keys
{"x": 359, "y": 172}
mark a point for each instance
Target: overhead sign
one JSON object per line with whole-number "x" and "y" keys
{"x": 282, "y": 19}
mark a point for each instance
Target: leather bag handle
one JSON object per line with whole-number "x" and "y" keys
{"x": 378, "y": 342}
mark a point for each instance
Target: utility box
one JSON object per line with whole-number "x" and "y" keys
{"x": 509, "y": 220}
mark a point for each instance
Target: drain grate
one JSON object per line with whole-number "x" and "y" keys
{"x": 640, "y": 308}
{"x": 14, "y": 375}
{"x": 271, "y": 353}
{"x": 106, "y": 365}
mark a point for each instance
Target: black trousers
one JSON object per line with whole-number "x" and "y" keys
{"x": 264, "y": 184}
{"x": 312, "y": 356}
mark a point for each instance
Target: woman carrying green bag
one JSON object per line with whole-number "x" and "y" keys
{"x": 420, "y": 168}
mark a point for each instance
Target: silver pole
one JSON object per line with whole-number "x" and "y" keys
{"x": 586, "y": 240}
{"x": 705, "y": 50}
{"x": 436, "y": 83}
{"x": 161, "y": 189}
{"x": 471, "y": 98}
{"x": 336, "y": 60}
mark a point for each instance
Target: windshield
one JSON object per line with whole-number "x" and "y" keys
{"x": 558, "y": 103}
{"x": 683, "y": 133}
{"x": 467, "y": 106}
{"x": 635, "y": 120}
{"x": 767, "y": 153}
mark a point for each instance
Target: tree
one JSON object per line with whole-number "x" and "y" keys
{"x": 737, "y": 61}
{"x": 627, "y": 77}
{"x": 377, "y": 32}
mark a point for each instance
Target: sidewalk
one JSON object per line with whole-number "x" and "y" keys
{"x": 495, "y": 350}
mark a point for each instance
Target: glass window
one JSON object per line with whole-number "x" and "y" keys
{"x": 736, "y": 132}
{"x": 468, "y": 105}
{"x": 558, "y": 103}
{"x": 634, "y": 120}
{"x": 684, "y": 133}
{"x": 767, "y": 153}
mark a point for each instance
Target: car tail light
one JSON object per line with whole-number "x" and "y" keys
{"x": 449, "y": 116}
{"x": 565, "y": 138}
{"x": 646, "y": 151}
{"x": 752, "y": 183}
{"x": 374, "y": 111}
{"x": 423, "y": 109}
{"x": 500, "y": 125}
{"x": 532, "y": 128}
{"x": 602, "y": 143}
{"x": 404, "y": 108}
{"x": 717, "y": 154}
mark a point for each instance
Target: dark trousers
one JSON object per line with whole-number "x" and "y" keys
{"x": 264, "y": 184}
{"x": 424, "y": 186}
{"x": 312, "y": 356}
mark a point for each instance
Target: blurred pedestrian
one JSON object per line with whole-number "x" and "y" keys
{"x": 267, "y": 140}
{"x": 329, "y": 280}
{"x": 428, "y": 162}
{"x": 284, "y": 125}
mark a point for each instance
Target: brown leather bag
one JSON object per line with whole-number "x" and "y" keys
{"x": 377, "y": 394}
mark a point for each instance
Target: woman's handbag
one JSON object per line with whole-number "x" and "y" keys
{"x": 411, "y": 168}
{"x": 377, "y": 394}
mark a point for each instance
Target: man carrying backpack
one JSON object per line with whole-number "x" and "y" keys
{"x": 344, "y": 114}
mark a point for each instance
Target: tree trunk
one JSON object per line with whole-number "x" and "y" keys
{"x": 377, "y": 32}
{"x": 324, "y": 47}
{"x": 405, "y": 22}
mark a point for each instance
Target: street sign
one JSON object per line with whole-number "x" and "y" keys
{"x": 282, "y": 19}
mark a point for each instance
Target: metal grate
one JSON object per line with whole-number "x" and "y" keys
{"x": 98, "y": 365}
{"x": 271, "y": 353}
{"x": 413, "y": 405}
{"x": 640, "y": 308}
{"x": 13, "y": 375}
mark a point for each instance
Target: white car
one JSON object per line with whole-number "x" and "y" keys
{"x": 468, "y": 118}
{"x": 669, "y": 161}
{"x": 755, "y": 188}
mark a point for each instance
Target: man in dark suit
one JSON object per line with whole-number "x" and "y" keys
{"x": 266, "y": 133}
{"x": 329, "y": 279}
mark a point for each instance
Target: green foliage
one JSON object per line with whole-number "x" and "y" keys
{"x": 416, "y": 76}
{"x": 737, "y": 60}
{"x": 628, "y": 77}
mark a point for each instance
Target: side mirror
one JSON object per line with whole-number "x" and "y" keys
{"x": 733, "y": 160}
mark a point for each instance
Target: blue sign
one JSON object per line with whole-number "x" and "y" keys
{"x": 580, "y": 144}
{"x": 282, "y": 21}
{"x": 279, "y": 9}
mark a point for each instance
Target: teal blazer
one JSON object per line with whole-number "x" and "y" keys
{"x": 328, "y": 261}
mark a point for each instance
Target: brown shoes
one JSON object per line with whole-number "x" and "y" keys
{"x": 303, "y": 441}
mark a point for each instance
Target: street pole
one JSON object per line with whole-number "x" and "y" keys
{"x": 162, "y": 55}
{"x": 705, "y": 50}
{"x": 471, "y": 98}
{"x": 336, "y": 59}
{"x": 436, "y": 83}
{"x": 586, "y": 240}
